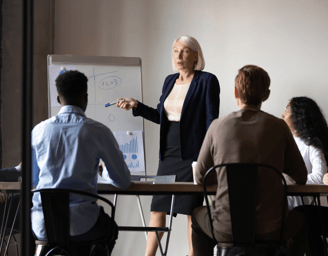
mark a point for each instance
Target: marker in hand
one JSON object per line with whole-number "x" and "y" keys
{"x": 111, "y": 104}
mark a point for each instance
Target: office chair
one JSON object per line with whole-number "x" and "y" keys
{"x": 55, "y": 204}
{"x": 242, "y": 189}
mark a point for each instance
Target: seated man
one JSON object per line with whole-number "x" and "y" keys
{"x": 249, "y": 136}
{"x": 68, "y": 148}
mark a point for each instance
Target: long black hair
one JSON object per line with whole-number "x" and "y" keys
{"x": 309, "y": 123}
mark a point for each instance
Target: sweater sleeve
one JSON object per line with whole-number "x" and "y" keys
{"x": 205, "y": 159}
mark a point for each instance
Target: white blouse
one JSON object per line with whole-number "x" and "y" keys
{"x": 174, "y": 102}
{"x": 316, "y": 166}
{"x": 314, "y": 160}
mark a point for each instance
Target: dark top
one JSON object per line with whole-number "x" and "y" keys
{"x": 10, "y": 174}
{"x": 200, "y": 108}
{"x": 14, "y": 175}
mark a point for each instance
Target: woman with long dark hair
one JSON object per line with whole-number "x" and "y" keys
{"x": 310, "y": 130}
{"x": 309, "y": 127}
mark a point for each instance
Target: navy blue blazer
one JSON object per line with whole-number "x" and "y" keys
{"x": 200, "y": 108}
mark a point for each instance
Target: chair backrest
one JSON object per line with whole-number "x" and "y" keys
{"x": 55, "y": 204}
{"x": 242, "y": 179}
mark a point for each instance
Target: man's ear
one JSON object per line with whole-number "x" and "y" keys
{"x": 266, "y": 95}
{"x": 236, "y": 93}
{"x": 58, "y": 99}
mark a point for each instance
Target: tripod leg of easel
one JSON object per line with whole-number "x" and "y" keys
{"x": 141, "y": 214}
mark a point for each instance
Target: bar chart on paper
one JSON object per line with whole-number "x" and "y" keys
{"x": 131, "y": 149}
{"x": 131, "y": 145}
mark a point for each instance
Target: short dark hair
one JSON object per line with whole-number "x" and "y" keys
{"x": 252, "y": 83}
{"x": 309, "y": 123}
{"x": 72, "y": 85}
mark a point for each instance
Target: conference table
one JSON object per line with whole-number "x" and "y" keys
{"x": 177, "y": 188}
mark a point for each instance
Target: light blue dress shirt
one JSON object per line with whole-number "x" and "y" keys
{"x": 68, "y": 148}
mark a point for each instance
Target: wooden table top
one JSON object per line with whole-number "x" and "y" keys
{"x": 10, "y": 185}
{"x": 148, "y": 188}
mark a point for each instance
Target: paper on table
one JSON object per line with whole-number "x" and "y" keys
{"x": 131, "y": 145}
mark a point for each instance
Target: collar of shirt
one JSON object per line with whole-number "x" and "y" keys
{"x": 71, "y": 109}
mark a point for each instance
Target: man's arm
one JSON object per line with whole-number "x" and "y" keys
{"x": 115, "y": 170}
{"x": 325, "y": 179}
{"x": 205, "y": 160}
{"x": 35, "y": 170}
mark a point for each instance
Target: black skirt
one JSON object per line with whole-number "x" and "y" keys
{"x": 172, "y": 164}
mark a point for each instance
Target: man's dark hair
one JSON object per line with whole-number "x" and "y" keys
{"x": 72, "y": 85}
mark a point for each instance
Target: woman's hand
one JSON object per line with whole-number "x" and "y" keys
{"x": 127, "y": 103}
{"x": 325, "y": 179}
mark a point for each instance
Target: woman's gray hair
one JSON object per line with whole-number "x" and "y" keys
{"x": 193, "y": 44}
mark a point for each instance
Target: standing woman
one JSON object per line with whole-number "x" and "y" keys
{"x": 309, "y": 127}
{"x": 188, "y": 105}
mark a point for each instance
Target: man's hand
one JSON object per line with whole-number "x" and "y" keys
{"x": 325, "y": 179}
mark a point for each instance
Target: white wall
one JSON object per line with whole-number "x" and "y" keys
{"x": 287, "y": 38}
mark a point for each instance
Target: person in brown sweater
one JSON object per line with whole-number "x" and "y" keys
{"x": 250, "y": 135}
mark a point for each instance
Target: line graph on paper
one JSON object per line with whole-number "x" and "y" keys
{"x": 131, "y": 145}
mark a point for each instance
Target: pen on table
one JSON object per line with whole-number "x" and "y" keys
{"x": 111, "y": 104}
